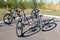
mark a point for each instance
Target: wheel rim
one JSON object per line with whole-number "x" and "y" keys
{"x": 18, "y": 29}
{"x": 8, "y": 19}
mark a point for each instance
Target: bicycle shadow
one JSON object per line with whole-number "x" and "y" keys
{"x": 49, "y": 26}
{"x": 33, "y": 30}
{"x": 53, "y": 24}
{"x": 3, "y": 24}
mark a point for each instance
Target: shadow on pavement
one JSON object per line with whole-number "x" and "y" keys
{"x": 31, "y": 31}
{"x": 49, "y": 24}
{"x": 36, "y": 29}
{"x": 48, "y": 27}
{"x": 1, "y": 25}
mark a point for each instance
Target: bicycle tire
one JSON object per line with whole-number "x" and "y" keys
{"x": 20, "y": 28}
{"x": 10, "y": 20}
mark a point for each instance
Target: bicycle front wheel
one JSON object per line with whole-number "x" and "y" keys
{"x": 19, "y": 29}
{"x": 7, "y": 19}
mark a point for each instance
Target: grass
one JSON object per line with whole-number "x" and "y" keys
{"x": 28, "y": 11}
{"x": 45, "y": 11}
{"x": 2, "y": 13}
{"x": 50, "y": 12}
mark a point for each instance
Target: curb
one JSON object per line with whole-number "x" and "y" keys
{"x": 1, "y": 22}
{"x": 52, "y": 16}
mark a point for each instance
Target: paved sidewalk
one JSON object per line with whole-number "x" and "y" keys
{"x": 8, "y": 32}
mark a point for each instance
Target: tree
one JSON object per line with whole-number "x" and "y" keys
{"x": 2, "y": 4}
{"x": 41, "y": 4}
{"x": 11, "y": 4}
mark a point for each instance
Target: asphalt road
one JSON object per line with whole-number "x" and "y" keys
{"x": 8, "y": 32}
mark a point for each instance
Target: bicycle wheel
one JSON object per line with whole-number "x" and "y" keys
{"x": 7, "y": 19}
{"x": 19, "y": 29}
{"x": 49, "y": 26}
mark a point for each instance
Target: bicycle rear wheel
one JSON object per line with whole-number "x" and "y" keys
{"x": 7, "y": 19}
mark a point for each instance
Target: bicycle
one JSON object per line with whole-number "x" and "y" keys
{"x": 19, "y": 25}
{"x": 22, "y": 21}
{"x": 42, "y": 24}
{"x": 8, "y": 18}
{"x": 35, "y": 18}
